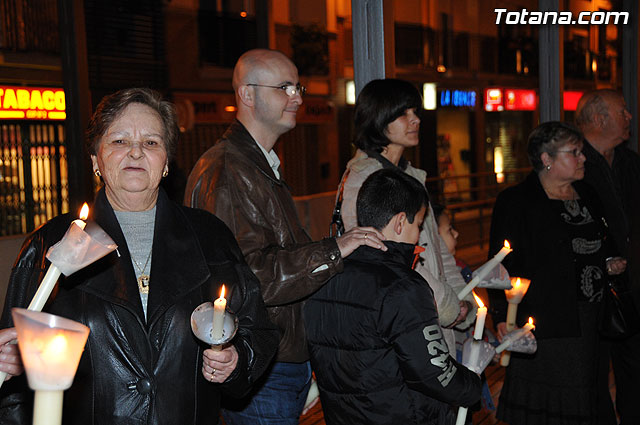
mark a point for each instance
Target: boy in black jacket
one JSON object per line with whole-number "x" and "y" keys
{"x": 375, "y": 342}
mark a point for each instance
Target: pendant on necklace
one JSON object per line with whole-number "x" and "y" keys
{"x": 143, "y": 283}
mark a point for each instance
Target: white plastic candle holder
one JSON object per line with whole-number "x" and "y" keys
{"x": 202, "y": 325}
{"x": 50, "y": 347}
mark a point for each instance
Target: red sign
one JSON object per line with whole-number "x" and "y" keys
{"x": 520, "y": 100}
{"x": 493, "y": 99}
{"x": 32, "y": 103}
{"x": 570, "y": 100}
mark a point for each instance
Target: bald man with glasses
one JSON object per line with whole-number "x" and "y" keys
{"x": 239, "y": 180}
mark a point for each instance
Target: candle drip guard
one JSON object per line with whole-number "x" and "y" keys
{"x": 497, "y": 278}
{"x": 202, "y": 325}
{"x": 517, "y": 343}
{"x": 78, "y": 248}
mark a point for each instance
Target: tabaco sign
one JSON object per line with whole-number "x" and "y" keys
{"x": 32, "y": 103}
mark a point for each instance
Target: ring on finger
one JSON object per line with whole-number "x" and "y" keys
{"x": 213, "y": 372}
{"x": 366, "y": 235}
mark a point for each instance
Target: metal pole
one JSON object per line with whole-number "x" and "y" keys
{"x": 372, "y": 24}
{"x": 551, "y": 68}
{"x": 630, "y": 68}
{"x": 78, "y": 106}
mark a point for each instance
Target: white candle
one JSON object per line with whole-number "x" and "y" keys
{"x": 219, "y": 307}
{"x": 50, "y": 278}
{"x": 528, "y": 327}
{"x": 53, "y": 273}
{"x": 481, "y": 316}
{"x": 489, "y": 265}
{"x": 47, "y": 407}
{"x": 519, "y": 287}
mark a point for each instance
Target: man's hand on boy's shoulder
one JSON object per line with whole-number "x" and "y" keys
{"x": 357, "y": 237}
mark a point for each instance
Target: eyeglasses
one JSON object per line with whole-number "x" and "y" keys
{"x": 289, "y": 89}
{"x": 574, "y": 152}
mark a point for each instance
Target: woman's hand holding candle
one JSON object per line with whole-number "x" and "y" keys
{"x": 217, "y": 365}
{"x": 11, "y": 363}
{"x": 519, "y": 287}
{"x": 489, "y": 265}
{"x": 510, "y": 338}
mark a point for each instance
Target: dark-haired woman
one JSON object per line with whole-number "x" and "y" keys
{"x": 554, "y": 224}
{"x": 386, "y": 123}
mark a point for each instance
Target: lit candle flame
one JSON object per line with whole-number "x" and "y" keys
{"x": 531, "y": 322}
{"x": 517, "y": 283}
{"x": 506, "y": 244}
{"x": 56, "y": 347}
{"x": 478, "y": 300}
{"x": 84, "y": 212}
{"x": 222, "y": 290}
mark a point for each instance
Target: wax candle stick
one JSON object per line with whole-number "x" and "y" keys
{"x": 219, "y": 307}
{"x": 489, "y": 265}
{"x": 481, "y": 316}
{"x": 528, "y": 327}
{"x": 50, "y": 278}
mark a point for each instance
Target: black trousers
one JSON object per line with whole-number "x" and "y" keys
{"x": 625, "y": 357}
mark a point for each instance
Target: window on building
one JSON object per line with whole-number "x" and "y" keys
{"x": 226, "y": 29}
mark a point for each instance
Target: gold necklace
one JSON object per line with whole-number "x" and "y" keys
{"x": 143, "y": 280}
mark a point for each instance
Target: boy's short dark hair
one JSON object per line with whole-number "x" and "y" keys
{"x": 386, "y": 193}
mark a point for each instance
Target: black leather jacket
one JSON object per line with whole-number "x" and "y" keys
{"x": 135, "y": 371}
{"x": 233, "y": 180}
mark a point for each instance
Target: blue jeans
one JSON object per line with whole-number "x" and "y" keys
{"x": 277, "y": 398}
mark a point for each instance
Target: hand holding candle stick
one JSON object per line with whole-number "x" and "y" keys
{"x": 519, "y": 287}
{"x": 514, "y": 336}
{"x": 486, "y": 269}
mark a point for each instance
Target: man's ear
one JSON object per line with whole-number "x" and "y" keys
{"x": 245, "y": 94}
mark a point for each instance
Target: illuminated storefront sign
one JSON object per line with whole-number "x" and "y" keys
{"x": 32, "y": 103}
{"x": 520, "y": 100}
{"x": 457, "y": 98}
{"x": 493, "y": 99}
{"x": 570, "y": 100}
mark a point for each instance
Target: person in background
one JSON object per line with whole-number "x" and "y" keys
{"x": 386, "y": 123}
{"x": 239, "y": 180}
{"x": 554, "y": 223}
{"x": 613, "y": 170}
{"x": 375, "y": 342}
{"x": 450, "y": 237}
{"x": 142, "y": 363}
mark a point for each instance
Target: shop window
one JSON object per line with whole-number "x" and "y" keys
{"x": 226, "y": 29}
{"x": 33, "y": 175}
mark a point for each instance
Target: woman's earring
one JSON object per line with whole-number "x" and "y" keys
{"x": 165, "y": 173}
{"x": 97, "y": 173}
{"x": 548, "y": 167}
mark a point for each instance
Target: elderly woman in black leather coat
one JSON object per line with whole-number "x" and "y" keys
{"x": 142, "y": 364}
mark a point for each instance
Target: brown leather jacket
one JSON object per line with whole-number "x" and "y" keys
{"x": 233, "y": 180}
